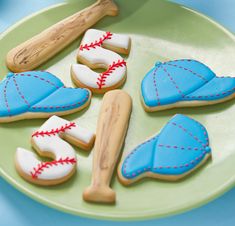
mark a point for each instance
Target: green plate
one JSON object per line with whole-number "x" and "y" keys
{"x": 160, "y": 31}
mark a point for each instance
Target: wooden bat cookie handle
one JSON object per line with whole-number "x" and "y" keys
{"x": 111, "y": 131}
{"x": 46, "y": 44}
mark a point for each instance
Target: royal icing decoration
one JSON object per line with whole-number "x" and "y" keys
{"x": 180, "y": 147}
{"x": 184, "y": 80}
{"x": 95, "y": 52}
{"x": 38, "y": 92}
{"x": 48, "y": 141}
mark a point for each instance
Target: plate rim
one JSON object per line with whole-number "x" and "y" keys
{"x": 147, "y": 215}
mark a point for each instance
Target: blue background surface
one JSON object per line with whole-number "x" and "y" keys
{"x": 18, "y": 210}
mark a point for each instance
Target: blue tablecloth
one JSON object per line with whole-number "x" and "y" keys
{"x": 18, "y": 210}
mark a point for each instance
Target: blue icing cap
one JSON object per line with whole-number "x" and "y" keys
{"x": 38, "y": 91}
{"x": 183, "y": 80}
{"x": 180, "y": 147}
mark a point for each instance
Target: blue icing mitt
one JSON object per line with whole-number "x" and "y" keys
{"x": 38, "y": 94}
{"x": 182, "y": 83}
{"x": 180, "y": 147}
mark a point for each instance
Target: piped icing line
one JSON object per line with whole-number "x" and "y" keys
{"x": 135, "y": 150}
{"x": 162, "y": 158}
{"x": 191, "y": 81}
{"x": 148, "y": 169}
{"x": 45, "y": 165}
{"x": 38, "y": 77}
{"x": 203, "y": 153}
{"x": 173, "y": 81}
{"x": 189, "y": 133}
{"x": 187, "y": 60}
{"x": 96, "y": 43}
{"x": 53, "y": 139}
{"x": 63, "y": 106}
{"x": 189, "y": 70}
{"x": 180, "y": 147}
{"x": 54, "y": 131}
{"x": 212, "y": 95}
{"x": 155, "y": 85}
{"x": 37, "y": 91}
{"x": 203, "y": 129}
{"x": 19, "y": 92}
{"x": 103, "y": 76}
{"x": 5, "y": 97}
{"x": 100, "y": 49}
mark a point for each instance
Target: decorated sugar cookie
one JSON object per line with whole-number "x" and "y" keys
{"x": 38, "y": 94}
{"x": 184, "y": 83}
{"x": 99, "y": 50}
{"x": 111, "y": 130}
{"x": 180, "y": 148}
{"x": 50, "y": 141}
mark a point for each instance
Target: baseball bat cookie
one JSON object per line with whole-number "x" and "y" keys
{"x": 111, "y": 131}
{"x": 99, "y": 49}
{"x": 49, "y": 42}
{"x": 184, "y": 83}
{"x": 50, "y": 141}
{"x": 180, "y": 148}
{"x": 38, "y": 94}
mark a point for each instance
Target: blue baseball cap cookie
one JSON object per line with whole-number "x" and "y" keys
{"x": 184, "y": 83}
{"x": 38, "y": 94}
{"x": 181, "y": 147}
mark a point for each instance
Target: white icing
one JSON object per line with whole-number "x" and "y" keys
{"x": 53, "y": 144}
{"x": 100, "y": 57}
{"x": 28, "y": 160}
{"x": 89, "y": 77}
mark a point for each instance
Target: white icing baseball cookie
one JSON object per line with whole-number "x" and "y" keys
{"x": 99, "y": 49}
{"x": 48, "y": 141}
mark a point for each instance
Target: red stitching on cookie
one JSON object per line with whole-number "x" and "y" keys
{"x": 169, "y": 167}
{"x": 155, "y": 85}
{"x": 45, "y": 165}
{"x": 180, "y": 147}
{"x": 19, "y": 92}
{"x": 189, "y": 70}
{"x": 189, "y": 133}
{"x": 204, "y": 131}
{"x": 97, "y": 43}
{"x": 173, "y": 81}
{"x": 175, "y": 147}
{"x": 184, "y": 165}
{"x": 63, "y": 107}
{"x": 54, "y": 131}
{"x": 102, "y": 77}
{"x": 38, "y": 77}
{"x": 188, "y": 60}
{"x": 212, "y": 95}
{"x": 5, "y": 97}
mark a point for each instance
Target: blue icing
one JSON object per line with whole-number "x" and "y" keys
{"x": 179, "y": 80}
{"x": 20, "y": 92}
{"x": 59, "y": 100}
{"x": 181, "y": 145}
{"x": 140, "y": 159}
{"x": 221, "y": 87}
{"x": 19, "y": 103}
